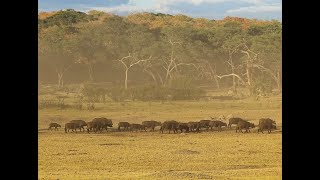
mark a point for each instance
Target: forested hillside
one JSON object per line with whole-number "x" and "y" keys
{"x": 161, "y": 50}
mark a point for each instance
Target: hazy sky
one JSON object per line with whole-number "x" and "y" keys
{"x": 212, "y": 9}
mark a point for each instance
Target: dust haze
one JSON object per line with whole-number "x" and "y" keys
{"x": 158, "y": 96}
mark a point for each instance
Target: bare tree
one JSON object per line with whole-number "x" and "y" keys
{"x": 276, "y": 77}
{"x": 231, "y": 52}
{"x": 209, "y": 72}
{"x": 147, "y": 68}
{"x": 172, "y": 64}
{"x": 60, "y": 72}
{"x": 128, "y": 62}
{"x": 251, "y": 57}
{"x": 90, "y": 64}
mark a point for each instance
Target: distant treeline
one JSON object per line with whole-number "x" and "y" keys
{"x": 159, "y": 49}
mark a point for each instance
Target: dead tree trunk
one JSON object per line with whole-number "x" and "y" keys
{"x": 249, "y": 66}
{"x": 91, "y": 72}
{"x": 276, "y": 77}
{"x": 60, "y": 73}
{"x": 131, "y": 63}
{"x": 214, "y": 75}
{"x": 279, "y": 81}
{"x": 60, "y": 80}
{"x": 126, "y": 79}
{"x": 153, "y": 76}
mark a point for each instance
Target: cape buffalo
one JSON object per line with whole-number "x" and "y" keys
{"x": 266, "y": 123}
{"x": 80, "y": 124}
{"x": 71, "y": 126}
{"x": 234, "y": 120}
{"x": 92, "y": 126}
{"x": 151, "y": 124}
{"x": 217, "y": 124}
{"x": 125, "y": 125}
{"x": 244, "y": 125}
{"x": 135, "y": 127}
{"x": 205, "y": 124}
{"x": 103, "y": 123}
{"x": 194, "y": 126}
{"x": 183, "y": 126}
{"x": 169, "y": 125}
{"x": 54, "y": 125}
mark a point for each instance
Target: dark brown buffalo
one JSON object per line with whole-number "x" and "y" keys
{"x": 183, "y": 126}
{"x": 102, "y": 123}
{"x": 244, "y": 125}
{"x": 171, "y": 125}
{"x": 266, "y": 123}
{"x": 92, "y": 126}
{"x": 125, "y": 125}
{"x": 135, "y": 127}
{"x": 151, "y": 124}
{"x": 234, "y": 120}
{"x": 205, "y": 124}
{"x": 194, "y": 126}
{"x": 217, "y": 124}
{"x": 54, "y": 125}
{"x": 71, "y": 126}
{"x": 80, "y": 124}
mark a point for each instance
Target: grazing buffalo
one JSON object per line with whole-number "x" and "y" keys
{"x": 54, "y": 125}
{"x": 217, "y": 124}
{"x": 194, "y": 126}
{"x": 151, "y": 124}
{"x": 169, "y": 125}
{"x": 244, "y": 125}
{"x": 103, "y": 123}
{"x": 80, "y": 124}
{"x": 71, "y": 126}
{"x": 234, "y": 120}
{"x": 125, "y": 125}
{"x": 205, "y": 124}
{"x": 266, "y": 123}
{"x": 183, "y": 126}
{"x": 135, "y": 127}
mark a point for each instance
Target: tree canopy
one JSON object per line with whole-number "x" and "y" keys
{"x": 163, "y": 49}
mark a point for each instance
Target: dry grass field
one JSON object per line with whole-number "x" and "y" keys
{"x": 151, "y": 155}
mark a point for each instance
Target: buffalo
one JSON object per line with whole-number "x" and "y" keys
{"x": 92, "y": 126}
{"x": 266, "y": 123}
{"x": 80, "y": 124}
{"x": 125, "y": 125}
{"x": 171, "y": 125}
{"x": 54, "y": 125}
{"x": 151, "y": 124}
{"x": 234, "y": 120}
{"x": 71, "y": 126}
{"x": 102, "y": 123}
{"x": 217, "y": 124}
{"x": 205, "y": 124}
{"x": 194, "y": 126}
{"x": 183, "y": 126}
{"x": 244, "y": 125}
{"x": 135, "y": 127}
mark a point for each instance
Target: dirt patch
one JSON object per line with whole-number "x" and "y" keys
{"x": 181, "y": 175}
{"x": 186, "y": 151}
{"x": 247, "y": 166}
{"x": 110, "y": 144}
{"x": 77, "y": 153}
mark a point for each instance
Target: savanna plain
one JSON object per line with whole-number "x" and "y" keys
{"x": 152, "y": 155}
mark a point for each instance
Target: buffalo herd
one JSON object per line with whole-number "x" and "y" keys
{"x": 99, "y": 124}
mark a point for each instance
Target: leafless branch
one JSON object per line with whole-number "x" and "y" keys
{"x": 232, "y": 74}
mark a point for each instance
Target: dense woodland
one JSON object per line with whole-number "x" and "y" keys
{"x": 159, "y": 50}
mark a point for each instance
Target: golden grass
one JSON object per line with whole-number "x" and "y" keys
{"x": 147, "y": 155}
